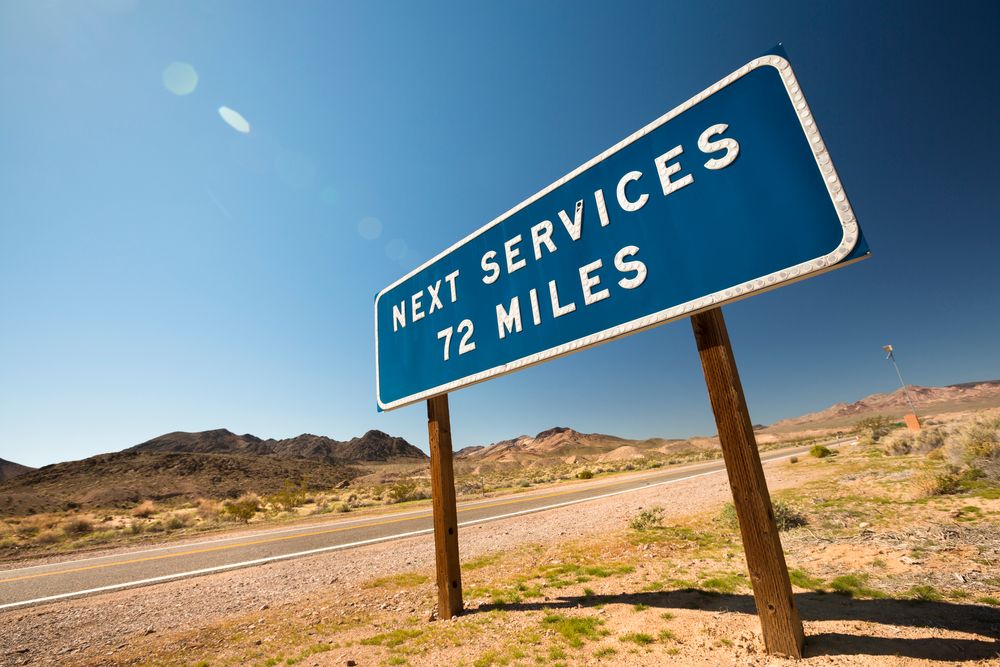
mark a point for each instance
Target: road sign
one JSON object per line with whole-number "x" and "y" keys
{"x": 730, "y": 194}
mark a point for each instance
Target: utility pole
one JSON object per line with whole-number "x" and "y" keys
{"x": 914, "y": 424}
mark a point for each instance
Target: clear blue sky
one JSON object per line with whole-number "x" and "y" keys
{"x": 161, "y": 271}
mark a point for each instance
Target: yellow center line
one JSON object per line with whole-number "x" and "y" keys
{"x": 282, "y": 538}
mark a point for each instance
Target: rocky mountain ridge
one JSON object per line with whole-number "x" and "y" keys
{"x": 372, "y": 446}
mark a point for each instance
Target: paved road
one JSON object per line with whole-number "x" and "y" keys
{"x": 88, "y": 576}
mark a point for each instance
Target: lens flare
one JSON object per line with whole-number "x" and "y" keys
{"x": 234, "y": 120}
{"x": 180, "y": 78}
{"x": 370, "y": 228}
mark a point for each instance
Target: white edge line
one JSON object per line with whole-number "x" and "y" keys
{"x": 834, "y": 186}
{"x": 468, "y": 504}
{"x": 338, "y": 547}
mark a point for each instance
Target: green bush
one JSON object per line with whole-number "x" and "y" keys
{"x": 820, "y": 451}
{"x": 585, "y": 474}
{"x": 175, "y": 522}
{"x": 406, "y": 489}
{"x": 290, "y": 496}
{"x": 874, "y": 428}
{"x": 243, "y": 508}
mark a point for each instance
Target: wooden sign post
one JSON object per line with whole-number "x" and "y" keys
{"x": 449, "y": 573}
{"x": 772, "y": 590}
{"x": 471, "y": 313}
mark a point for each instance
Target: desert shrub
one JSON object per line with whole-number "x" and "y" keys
{"x": 78, "y": 526}
{"x": 786, "y": 517}
{"x": 47, "y": 537}
{"x": 208, "y": 509}
{"x": 523, "y": 483}
{"x": 980, "y": 441}
{"x": 133, "y": 528}
{"x": 406, "y": 489}
{"x": 243, "y": 508}
{"x": 648, "y": 519}
{"x": 290, "y": 496}
{"x": 820, "y": 451}
{"x": 585, "y": 474}
{"x": 928, "y": 440}
{"x": 28, "y": 528}
{"x": 343, "y": 507}
{"x": 874, "y": 428}
{"x": 176, "y": 522}
{"x": 939, "y": 484}
{"x": 898, "y": 444}
{"x": 144, "y": 510}
{"x": 794, "y": 459}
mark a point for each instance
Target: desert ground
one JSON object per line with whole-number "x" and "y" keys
{"x": 892, "y": 546}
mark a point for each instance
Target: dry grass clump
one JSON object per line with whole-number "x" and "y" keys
{"x": 972, "y": 451}
{"x": 977, "y": 444}
{"x": 208, "y": 509}
{"x": 78, "y": 526}
{"x": 902, "y": 443}
{"x": 144, "y": 510}
{"x": 940, "y": 484}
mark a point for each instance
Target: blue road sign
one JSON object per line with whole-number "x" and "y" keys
{"x": 729, "y": 194}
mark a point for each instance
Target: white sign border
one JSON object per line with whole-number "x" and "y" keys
{"x": 823, "y": 263}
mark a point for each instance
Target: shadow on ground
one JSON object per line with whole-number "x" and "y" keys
{"x": 973, "y": 619}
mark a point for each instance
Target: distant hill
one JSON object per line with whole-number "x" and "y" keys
{"x": 372, "y": 446}
{"x": 9, "y": 470}
{"x": 214, "y": 464}
{"x": 927, "y": 400}
{"x": 124, "y": 478}
{"x": 565, "y": 445}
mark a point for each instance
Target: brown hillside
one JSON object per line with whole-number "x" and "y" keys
{"x": 9, "y": 470}
{"x": 560, "y": 444}
{"x": 927, "y": 400}
{"x": 125, "y": 478}
{"x": 372, "y": 446}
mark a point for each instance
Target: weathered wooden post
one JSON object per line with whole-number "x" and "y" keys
{"x": 772, "y": 590}
{"x": 679, "y": 222}
{"x": 449, "y": 573}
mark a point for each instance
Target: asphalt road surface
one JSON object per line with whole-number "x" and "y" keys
{"x": 89, "y": 576}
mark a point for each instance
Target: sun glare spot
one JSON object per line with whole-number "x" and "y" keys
{"x": 370, "y": 228}
{"x": 234, "y": 120}
{"x": 396, "y": 249}
{"x": 329, "y": 195}
{"x": 180, "y": 78}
